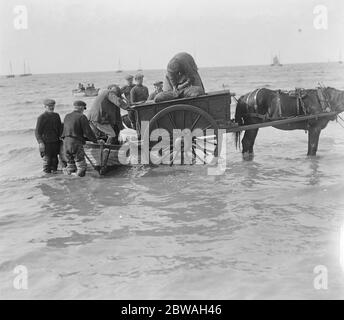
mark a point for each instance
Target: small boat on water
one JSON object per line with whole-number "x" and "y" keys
{"x": 139, "y": 68}
{"x": 103, "y": 157}
{"x": 89, "y": 91}
{"x": 10, "y": 75}
{"x": 27, "y": 72}
{"x": 276, "y": 62}
{"x": 119, "y": 70}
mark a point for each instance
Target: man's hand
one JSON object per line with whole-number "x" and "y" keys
{"x": 184, "y": 85}
{"x": 41, "y": 147}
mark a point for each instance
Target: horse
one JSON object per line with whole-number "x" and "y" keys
{"x": 263, "y": 105}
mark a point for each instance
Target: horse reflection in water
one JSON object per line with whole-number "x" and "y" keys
{"x": 263, "y": 105}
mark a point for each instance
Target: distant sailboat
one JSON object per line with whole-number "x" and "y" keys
{"x": 276, "y": 62}
{"x": 10, "y": 75}
{"x": 119, "y": 70}
{"x": 140, "y": 68}
{"x": 26, "y": 71}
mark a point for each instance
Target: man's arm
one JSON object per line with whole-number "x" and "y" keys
{"x": 118, "y": 102}
{"x": 60, "y": 127}
{"x": 39, "y": 129}
{"x": 87, "y": 131}
{"x": 132, "y": 95}
{"x": 147, "y": 93}
{"x": 173, "y": 79}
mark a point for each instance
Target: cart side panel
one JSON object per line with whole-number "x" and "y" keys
{"x": 216, "y": 104}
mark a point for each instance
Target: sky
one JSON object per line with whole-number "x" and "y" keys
{"x": 84, "y": 35}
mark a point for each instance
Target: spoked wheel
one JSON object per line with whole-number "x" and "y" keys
{"x": 183, "y": 134}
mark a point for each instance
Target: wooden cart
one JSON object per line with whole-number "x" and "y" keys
{"x": 208, "y": 116}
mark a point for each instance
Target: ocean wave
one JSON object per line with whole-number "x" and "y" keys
{"x": 32, "y": 177}
{"x": 17, "y": 131}
{"x": 20, "y": 151}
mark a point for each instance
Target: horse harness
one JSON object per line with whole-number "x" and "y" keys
{"x": 299, "y": 94}
{"x": 255, "y": 114}
{"x": 255, "y": 92}
{"x": 323, "y": 99}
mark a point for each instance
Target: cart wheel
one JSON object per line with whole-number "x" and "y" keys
{"x": 198, "y": 141}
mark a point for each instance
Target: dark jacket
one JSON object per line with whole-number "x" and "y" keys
{"x": 106, "y": 110}
{"x": 182, "y": 67}
{"x": 48, "y": 128}
{"x": 126, "y": 91}
{"x": 75, "y": 125}
{"x": 138, "y": 94}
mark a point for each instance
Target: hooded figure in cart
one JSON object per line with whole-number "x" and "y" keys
{"x": 76, "y": 130}
{"x": 182, "y": 78}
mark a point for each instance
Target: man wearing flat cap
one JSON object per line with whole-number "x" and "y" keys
{"x": 157, "y": 89}
{"x": 139, "y": 93}
{"x": 105, "y": 114}
{"x": 127, "y": 88}
{"x": 48, "y": 131}
{"x": 76, "y": 130}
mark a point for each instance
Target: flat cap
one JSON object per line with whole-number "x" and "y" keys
{"x": 128, "y": 77}
{"x": 139, "y": 76}
{"x": 49, "y": 102}
{"x": 79, "y": 103}
{"x": 157, "y": 83}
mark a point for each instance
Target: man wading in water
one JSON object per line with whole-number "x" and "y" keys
{"x": 76, "y": 130}
{"x": 48, "y": 131}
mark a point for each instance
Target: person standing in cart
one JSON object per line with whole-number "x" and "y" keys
{"x": 76, "y": 130}
{"x": 127, "y": 88}
{"x": 129, "y": 118}
{"x": 139, "y": 94}
{"x": 48, "y": 131}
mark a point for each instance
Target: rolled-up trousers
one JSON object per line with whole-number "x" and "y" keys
{"x": 75, "y": 156}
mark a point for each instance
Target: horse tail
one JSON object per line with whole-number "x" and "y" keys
{"x": 239, "y": 112}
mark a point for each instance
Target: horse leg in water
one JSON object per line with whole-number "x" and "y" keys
{"x": 313, "y": 140}
{"x": 248, "y": 143}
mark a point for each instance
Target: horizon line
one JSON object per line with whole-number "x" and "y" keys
{"x": 157, "y": 69}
